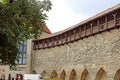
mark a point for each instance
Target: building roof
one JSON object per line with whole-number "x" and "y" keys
{"x": 47, "y": 30}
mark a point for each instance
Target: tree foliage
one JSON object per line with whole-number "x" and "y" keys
{"x": 20, "y": 20}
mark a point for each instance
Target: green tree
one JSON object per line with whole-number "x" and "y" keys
{"x": 20, "y": 20}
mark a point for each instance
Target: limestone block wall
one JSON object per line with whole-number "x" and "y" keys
{"x": 93, "y": 58}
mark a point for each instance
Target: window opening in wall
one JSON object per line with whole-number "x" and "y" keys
{"x": 45, "y": 43}
{"x": 67, "y": 36}
{"x": 88, "y": 27}
{"x": 110, "y": 17}
{"x": 23, "y": 49}
{"x": 82, "y": 28}
{"x": 63, "y": 38}
{"x": 101, "y": 26}
{"x": 118, "y": 21}
{"x": 102, "y": 20}
{"x": 118, "y": 15}
{"x": 40, "y": 45}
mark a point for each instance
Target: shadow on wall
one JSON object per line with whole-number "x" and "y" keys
{"x": 85, "y": 75}
{"x": 101, "y": 75}
{"x": 34, "y": 72}
{"x": 54, "y": 74}
{"x": 117, "y": 75}
{"x": 44, "y": 74}
{"x": 63, "y": 75}
{"x": 73, "y": 75}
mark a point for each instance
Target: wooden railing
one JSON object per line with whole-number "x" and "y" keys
{"x": 76, "y": 34}
{"x": 117, "y": 22}
{"x": 111, "y": 24}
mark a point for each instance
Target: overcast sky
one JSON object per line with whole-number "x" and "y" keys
{"x": 66, "y": 13}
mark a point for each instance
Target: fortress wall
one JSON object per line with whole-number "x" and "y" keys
{"x": 94, "y": 58}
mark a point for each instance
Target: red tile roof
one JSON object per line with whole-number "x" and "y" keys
{"x": 47, "y": 30}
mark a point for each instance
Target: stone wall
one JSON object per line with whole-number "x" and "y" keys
{"x": 93, "y": 58}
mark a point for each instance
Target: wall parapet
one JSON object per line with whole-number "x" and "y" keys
{"x": 104, "y": 22}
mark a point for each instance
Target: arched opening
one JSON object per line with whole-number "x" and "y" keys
{"x": 101, "y": 75}
{"x": 73, "y": 75}
{"x": 117, "y": 75}
{"x": 84, "y": 75}
{"x": 34, "y": 72}
{"x": 54, "y": 74}
{"x": 63, "y": 74}
{"x": 44, "y": 74}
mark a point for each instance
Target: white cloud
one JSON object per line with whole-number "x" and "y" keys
{"x": 66, "y": 13}
{"x": 61, "y": 17}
